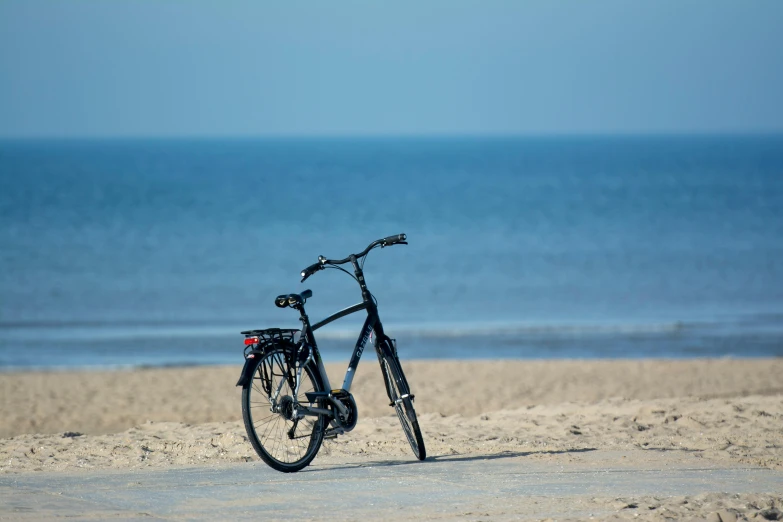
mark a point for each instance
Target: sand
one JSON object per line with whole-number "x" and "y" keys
{"x": 725, "y": 412}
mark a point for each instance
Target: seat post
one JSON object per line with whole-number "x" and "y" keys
{"x": 306, "y": 329}
{"x": 302, "y": 315}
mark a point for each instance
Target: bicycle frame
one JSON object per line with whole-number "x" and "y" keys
{"x": 372, "y": 325}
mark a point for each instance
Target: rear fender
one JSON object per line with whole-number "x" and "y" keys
{"x": 256, "y": 354}
{"x": 247, "y": 369}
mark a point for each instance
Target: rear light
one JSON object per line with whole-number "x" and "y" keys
{"x": 251, "y": 340}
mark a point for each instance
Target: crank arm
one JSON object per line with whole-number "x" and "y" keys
{"x": 302, "y": 411}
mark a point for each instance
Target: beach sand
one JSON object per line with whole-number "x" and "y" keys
{"x": 726, "y": 412}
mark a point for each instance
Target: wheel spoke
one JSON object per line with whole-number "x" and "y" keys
{"x": 269, "y": 431}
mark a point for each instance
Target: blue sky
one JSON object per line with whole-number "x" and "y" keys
{"x": 270, "y": 68}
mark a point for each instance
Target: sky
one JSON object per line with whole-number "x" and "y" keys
{"x": 164, "y": 68}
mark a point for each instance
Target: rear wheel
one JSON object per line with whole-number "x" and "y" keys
{"x": 282, "y": 440}
{"x": 403, "y": 405}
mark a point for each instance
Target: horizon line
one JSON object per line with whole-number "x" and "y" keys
{"x": 392, "y": 136}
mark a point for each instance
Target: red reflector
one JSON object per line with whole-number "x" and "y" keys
{"x": 251, "y": 340}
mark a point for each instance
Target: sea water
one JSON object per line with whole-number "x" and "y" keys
{"x": 158, "y": 252}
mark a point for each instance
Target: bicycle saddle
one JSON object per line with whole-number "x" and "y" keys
{"x": 293, "y": 300}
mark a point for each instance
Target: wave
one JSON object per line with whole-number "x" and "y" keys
{"x": 507, "y": 329}
{"x": 81, "y": 331}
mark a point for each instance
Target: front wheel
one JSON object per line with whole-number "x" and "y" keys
{"x": 285, "y": 441}
{"x": 403, "y": 405}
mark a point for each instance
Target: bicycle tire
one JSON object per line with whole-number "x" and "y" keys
{"x": 267, "y": 430}
{"x": 403, "y": 405}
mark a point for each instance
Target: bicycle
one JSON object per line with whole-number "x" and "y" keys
{"x": 288, "y": 404}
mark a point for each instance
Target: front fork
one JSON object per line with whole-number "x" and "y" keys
{"x": 390, "y": 347}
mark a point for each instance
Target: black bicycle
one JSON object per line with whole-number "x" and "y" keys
{"x": 288, "y": 405}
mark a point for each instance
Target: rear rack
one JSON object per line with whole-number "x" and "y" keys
{"x": 268, "y": 336}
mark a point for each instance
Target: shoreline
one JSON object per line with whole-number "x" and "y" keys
{"x": 337, "y": 362}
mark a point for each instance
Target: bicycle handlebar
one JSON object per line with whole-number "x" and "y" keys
{"x": 310, "y": 270}
{"x": 397, "y": 239}
{"x": 393, "y": 240}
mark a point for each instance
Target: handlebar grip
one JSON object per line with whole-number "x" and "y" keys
{"x": 393, "y": 240}
{"x": 310, "y": 270}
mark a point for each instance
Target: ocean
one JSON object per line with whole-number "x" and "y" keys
{"x": 126, "y": 253}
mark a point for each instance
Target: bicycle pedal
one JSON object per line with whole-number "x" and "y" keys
{"x": 340, "y": 394}
{"x": 332, "y": 433}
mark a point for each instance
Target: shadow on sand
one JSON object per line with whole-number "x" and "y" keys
{"x": 457, "y": 457}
